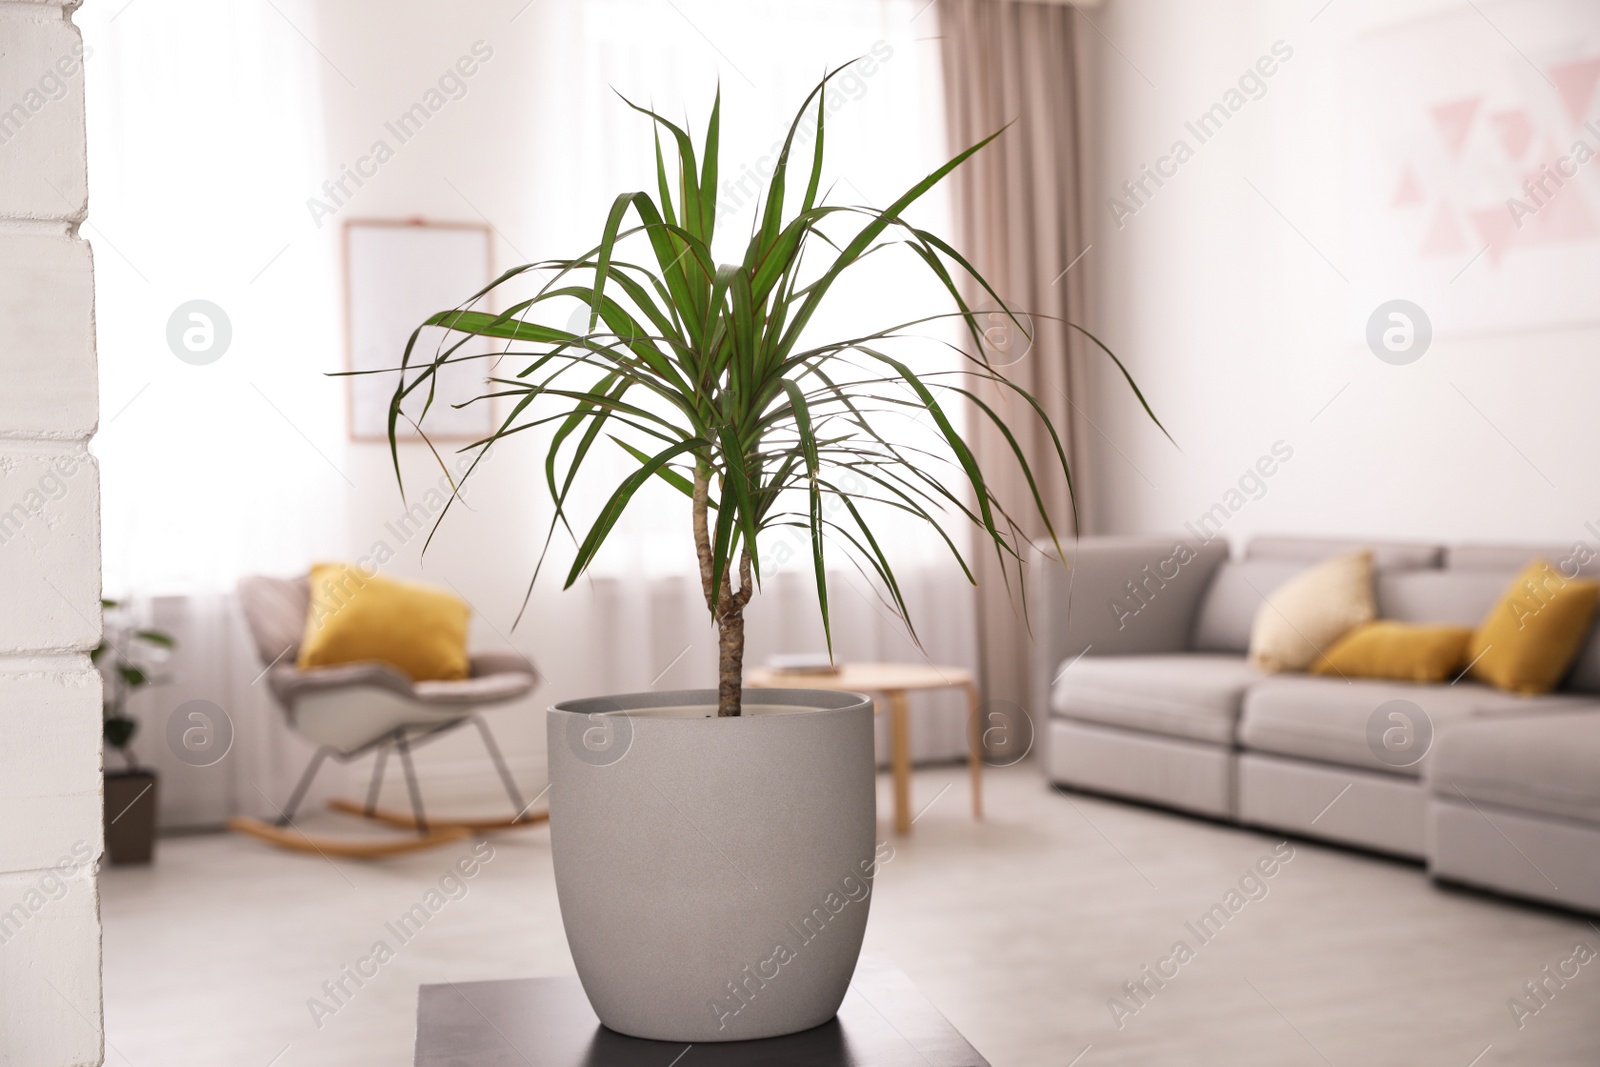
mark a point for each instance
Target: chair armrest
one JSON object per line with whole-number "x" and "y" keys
{"x": 1115, "y": 596}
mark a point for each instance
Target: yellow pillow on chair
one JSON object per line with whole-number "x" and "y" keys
{"x": 417, "y": 629}
{"x": 1408, "y": 652}
{"x": 1529, "y": 639}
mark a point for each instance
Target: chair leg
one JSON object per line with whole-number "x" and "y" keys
{"x": 377, "y": 780}
{"x": 411, "y": 784}
{"x": 500, "y": 765}
{"x": 305, "y": 783}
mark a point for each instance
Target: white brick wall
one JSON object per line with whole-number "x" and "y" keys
{"x": 50, "y": 763}
{"x": 49, "y": 546}
{"x": 50, "y": 787}
{"x": 46, "y": 333}
{"x": 52, "y": 999}
{"x": 42, "y": 172}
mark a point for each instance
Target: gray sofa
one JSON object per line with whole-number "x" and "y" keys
{"x": 1140, "y": 661}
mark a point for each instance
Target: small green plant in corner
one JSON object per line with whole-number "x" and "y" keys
{"x": 124, "y": 671}
{"x": 707, "y": 376}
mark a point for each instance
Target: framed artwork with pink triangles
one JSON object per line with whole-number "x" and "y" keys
{"x": 1472, "y": 178}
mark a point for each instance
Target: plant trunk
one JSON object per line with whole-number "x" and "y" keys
{"x": 730, "y": 661}
{"x": 726, "y": 605}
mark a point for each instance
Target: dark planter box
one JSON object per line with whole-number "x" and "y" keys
{"x": 130, "y": 815}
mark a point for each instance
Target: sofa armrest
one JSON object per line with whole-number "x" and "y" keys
{"x": 1115, "y": 596}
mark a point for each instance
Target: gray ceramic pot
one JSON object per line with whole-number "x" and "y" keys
{"x": 714, "y": 874}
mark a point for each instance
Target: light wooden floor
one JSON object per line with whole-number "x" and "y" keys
{"x": 1020, "y": 929}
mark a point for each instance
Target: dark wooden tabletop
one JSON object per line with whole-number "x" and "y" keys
{"x": 547, "y": 1022}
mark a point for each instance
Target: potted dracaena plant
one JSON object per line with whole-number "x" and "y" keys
{"x": 714, "y": 848}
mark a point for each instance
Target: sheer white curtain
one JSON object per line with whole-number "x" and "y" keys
{"x": 885, "y": 130}
{"x": 205, "y": 137}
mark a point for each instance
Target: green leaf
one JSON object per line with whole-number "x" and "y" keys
{"x": 708, "y": 171}
{"x": 666, "y": 474}
{"x": 119, "y": 731}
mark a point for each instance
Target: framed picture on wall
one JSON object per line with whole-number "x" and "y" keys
{"x": 397, "y": 274}
{"x": 1472, "y": 188}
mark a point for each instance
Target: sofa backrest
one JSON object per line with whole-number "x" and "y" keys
{"x": 1228, "y": 609}
{"x": 1459, "y": 597}
{"x": 1424, "y": 595}
{"x": 1413, "y": 582}
{"x": 1386, "y": 555}
{"x": 1585, "y": 674}
{"x": 1508, "y": 559}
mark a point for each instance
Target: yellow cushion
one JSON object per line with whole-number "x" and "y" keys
{"x": 1408, "y": 652}
{"x": 1530, "y": 638}
{"x": 419, "y": 630}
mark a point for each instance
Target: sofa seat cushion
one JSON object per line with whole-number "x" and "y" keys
{"x": 1191, "y": 695}
{"x": 1545, "y": 764}
{"x": 1327, "y": 719}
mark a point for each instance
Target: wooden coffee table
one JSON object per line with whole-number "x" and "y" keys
{"x": 893, "y": 681}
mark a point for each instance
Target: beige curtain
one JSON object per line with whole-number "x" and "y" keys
{"x": 1021, "y": 220}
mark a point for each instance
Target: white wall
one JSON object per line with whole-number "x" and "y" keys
{"x": 49, "y": 555}
{"x": 1240, "y": 332}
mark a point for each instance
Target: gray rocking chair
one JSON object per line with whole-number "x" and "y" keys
{"x": 357, "y": 708}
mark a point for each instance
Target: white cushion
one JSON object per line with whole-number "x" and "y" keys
{"x": 1308, "y": 613}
